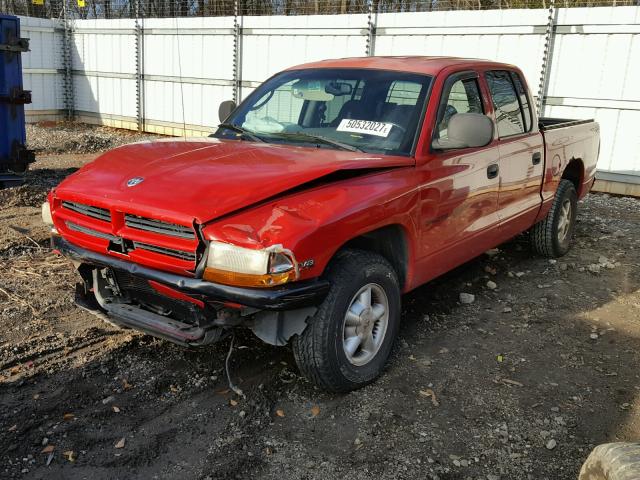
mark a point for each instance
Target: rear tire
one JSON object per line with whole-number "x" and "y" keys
{"x": 348, "y": 341}
{"x": 551, "y": 237}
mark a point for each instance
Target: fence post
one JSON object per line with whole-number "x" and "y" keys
{"x": 139, "y": 52}
{"x": 237, "y": 53}
{"x": 67, "y": 82}
{"x": 547, "y": 57}
{"x": 371, "y": 29}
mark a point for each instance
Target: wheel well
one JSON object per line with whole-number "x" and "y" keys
{"x": 574, "y": 172}
{"x": 390, "y": 242}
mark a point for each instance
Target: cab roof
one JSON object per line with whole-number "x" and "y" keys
{"x": 412, "y": 64}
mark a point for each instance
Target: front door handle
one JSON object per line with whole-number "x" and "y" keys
{"x": 492, "y": 170}
{"x": 536, "y": 157}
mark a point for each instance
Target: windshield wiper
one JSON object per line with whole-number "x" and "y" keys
{"x": 328, "y": 141}
{"x": 242, "y": 131}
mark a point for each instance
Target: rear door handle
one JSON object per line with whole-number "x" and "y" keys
{"x": 536, "y": 157}
{"x": 492, "y": 170}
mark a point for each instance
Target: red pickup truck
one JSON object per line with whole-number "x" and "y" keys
{"x": 334, "y": 188}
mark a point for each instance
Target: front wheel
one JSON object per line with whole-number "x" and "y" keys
{"x": 552, "y": 236}
{"x": 349, "y": 339}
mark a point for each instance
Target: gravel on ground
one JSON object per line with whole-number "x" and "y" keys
{"x": 510, "y": 367}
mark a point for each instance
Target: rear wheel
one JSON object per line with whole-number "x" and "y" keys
{"x": 552, "y": 236}
{"x": 349, "y": 339}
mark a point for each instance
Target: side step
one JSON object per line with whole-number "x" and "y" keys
{"x": 162, "y": 327}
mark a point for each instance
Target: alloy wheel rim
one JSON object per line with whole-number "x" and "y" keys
{"x": 564, "y": 221}
{"x": 365, "y": 324}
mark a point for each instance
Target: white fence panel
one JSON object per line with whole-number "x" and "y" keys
{"x": 41, "y": 67}
{"x": 511, "y": 36}
{"x": 188, "y": 63}
{"x": 104, "y": 69}
{"x": 595, "y": 73}
{"x": 271, "y": 44}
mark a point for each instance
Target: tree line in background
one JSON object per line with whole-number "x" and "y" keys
{"x": 209, "y": 8}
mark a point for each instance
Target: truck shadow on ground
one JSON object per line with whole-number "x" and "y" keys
{"x": 551, "y": 354}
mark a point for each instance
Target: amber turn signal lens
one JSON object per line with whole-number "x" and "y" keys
{"x": 225, "y": 277}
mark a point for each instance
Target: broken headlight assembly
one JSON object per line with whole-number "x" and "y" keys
{"x": 245, "y": 267}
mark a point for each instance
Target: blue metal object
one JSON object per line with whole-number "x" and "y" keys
{"x": 14, "y": 156}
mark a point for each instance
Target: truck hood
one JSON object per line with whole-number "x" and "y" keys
{"x": 202, "y": 179}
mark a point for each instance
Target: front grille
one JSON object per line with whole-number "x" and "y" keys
{"x": 93, "y": 212}
{"x": 189, "y": 256}
{"x": 158, "y": 226}
{"x": 177, "y": 242}
{"x": 90, "y": 231}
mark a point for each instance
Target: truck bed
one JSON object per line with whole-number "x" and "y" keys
{"x": 567, "y": 141}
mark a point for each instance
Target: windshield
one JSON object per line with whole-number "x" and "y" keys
{"x": 352, "y": 109}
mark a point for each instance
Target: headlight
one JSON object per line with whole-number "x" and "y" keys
{"x": 46, "y": 214}
{"x": 245, "y": 267}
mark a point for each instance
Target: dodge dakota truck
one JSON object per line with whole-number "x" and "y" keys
{"x": 331, "y": 190}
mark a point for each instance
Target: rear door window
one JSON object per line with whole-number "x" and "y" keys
{"x": 524, "y": 100}
{"x": 509, "y": 115}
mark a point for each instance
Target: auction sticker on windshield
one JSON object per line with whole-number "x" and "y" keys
{"x": 368, "y": 127}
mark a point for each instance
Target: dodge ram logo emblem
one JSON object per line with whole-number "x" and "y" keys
{"x": 132, "y": 182}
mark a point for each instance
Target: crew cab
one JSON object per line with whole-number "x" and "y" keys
{"x": 334, "y": 188}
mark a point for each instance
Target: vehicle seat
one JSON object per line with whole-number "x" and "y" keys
{"x": 398, "y": 114}
{"x": 352, "y": 109}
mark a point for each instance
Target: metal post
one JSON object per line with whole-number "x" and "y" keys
{"x": 237, "y": 53}
{"x": 67, "y": 82}
{"x": 371, "y": 29}
{"x": 139, "y": 52}
{"x": 547, "y": 56}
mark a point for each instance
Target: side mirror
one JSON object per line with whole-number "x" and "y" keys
{"x": 466, "y": 130}
{"x": 225, "y": 109}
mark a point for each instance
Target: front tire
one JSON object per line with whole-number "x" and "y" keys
{"x": 349, "y": 339}
{"x": 551, "y": 237}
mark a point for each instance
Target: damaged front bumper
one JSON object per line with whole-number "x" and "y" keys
{"x": 285, "y": 297}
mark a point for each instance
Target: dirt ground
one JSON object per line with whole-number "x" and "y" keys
{"x": 525, "y": 380}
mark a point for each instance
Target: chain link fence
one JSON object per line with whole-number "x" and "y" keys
{"x": 214, "y": 8}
